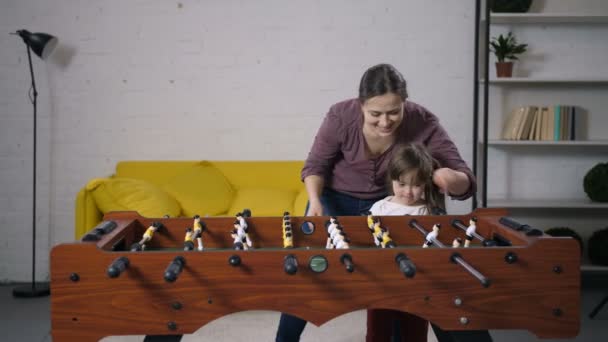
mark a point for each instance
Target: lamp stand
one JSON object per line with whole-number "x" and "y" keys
{"x": 34, "y": 289}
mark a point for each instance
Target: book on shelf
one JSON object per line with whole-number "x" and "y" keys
{"x": 547, "y": 123}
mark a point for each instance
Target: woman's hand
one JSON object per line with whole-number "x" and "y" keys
{"x": 315, "y": 208}
{"x": 450, "y": 181}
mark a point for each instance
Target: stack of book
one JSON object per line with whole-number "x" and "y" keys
{"x": 556, "y": 122}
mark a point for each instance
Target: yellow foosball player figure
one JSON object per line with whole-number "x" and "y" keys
{"x": 287, "y": 233}
{"x": 377, "y": 233}
{"x": 470, "y": 231}
{"x": 430, "y": 237}
{"x": 387, "y": 241}
{"x": 197, "y": 231}
{"x": 148, "y": 234}
{"x": 370, "y": 221}
{"x": 288, "y": 240}
{"x": 188, "y": 241}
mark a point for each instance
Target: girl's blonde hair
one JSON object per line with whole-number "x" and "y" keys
{"x": 416, "y": 157}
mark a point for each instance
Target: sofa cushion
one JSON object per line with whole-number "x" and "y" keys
{"x": 263, "y": 202}
{"x": 123, "y": 194}
{"x": 201, "y": 190}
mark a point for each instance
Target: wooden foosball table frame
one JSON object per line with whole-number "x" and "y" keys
{"x": 526, "y": 281}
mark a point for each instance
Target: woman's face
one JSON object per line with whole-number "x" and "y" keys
{"x": 382, "y": 114}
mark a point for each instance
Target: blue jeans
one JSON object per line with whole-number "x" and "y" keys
{"x": 334, "y": 204}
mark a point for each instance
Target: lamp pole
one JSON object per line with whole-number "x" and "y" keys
{"x": 42, "y": 44}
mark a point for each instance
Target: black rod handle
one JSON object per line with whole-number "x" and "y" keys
{"x": 406, "y": 266}
{"x": 457, "y": 258}
{"x": 290, "y": 264}
{"x": 175, "y": 268}
{"x": 511, "y": 223}
{"x": 117, "y": 267}
{"x": 347, "y": 260}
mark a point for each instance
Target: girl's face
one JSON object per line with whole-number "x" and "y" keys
{"x": 407, "y": 190}
{"x": 382, "y": 114}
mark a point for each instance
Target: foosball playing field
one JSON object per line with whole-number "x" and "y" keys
{"x": 132, "y": 275}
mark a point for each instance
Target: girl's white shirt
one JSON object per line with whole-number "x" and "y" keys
{"x": 385, "y": 207}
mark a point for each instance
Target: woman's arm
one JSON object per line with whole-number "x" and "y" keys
{"x": 454, "y": 176}
{"x": 321, "y": 158}
{"x": 314, "y": 188}
{"x": 451, "y": 181}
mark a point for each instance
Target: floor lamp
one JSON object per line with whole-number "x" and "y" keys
{"x": 42, "y": 44}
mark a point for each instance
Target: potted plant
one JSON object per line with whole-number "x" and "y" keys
{"x": 506, "y": 50}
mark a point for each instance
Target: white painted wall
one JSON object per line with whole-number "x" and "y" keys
{"x": 177, "y": 80}
{"x": 192, "y": 79}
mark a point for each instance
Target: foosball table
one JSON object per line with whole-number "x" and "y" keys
{"x": 133, "y": 275}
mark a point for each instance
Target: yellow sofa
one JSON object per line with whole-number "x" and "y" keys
{"x": 185, "y": 188}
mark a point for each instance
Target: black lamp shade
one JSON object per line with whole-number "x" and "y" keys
{"x": 41, "y": 43}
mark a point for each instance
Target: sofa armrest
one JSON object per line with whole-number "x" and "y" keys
{"x": 87, "y": 215}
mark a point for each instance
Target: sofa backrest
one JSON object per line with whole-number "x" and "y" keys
{"x": 241, "y": 174}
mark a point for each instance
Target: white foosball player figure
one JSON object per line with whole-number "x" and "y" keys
{"x": 243, "y": 223}
{"x": 342, "y": 244}
{"x": 430, "y": 237}
{"x": 340, "y": 241}
{"x": 457, "y": 242}
{"x": 470, "y": 231}
{"x": 237, "y": 240}
{"x": 239, "y": 234}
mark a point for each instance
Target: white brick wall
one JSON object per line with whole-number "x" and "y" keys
{"x": 207, "y": 80}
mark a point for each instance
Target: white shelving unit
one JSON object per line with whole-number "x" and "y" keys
{"x": 547, "y": 18}
{"x": 540, "y": 182}
{"x": 548, "y": 80}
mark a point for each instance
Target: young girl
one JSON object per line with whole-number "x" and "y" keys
{"x": 410, "y": 177}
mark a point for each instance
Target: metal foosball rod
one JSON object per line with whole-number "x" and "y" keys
{"x": 456, "y": 223}
{"x": 455, "y": 257}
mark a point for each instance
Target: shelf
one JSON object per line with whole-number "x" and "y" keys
{"x": 546, "y": 204}
{"x": 547, "y": 18}
{"x": 547, "y": 80}
{"x": 561, "y": 143}
{"x": 589, "y": 268}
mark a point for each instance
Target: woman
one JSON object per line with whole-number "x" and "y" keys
{"x": 345, "y": 172}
